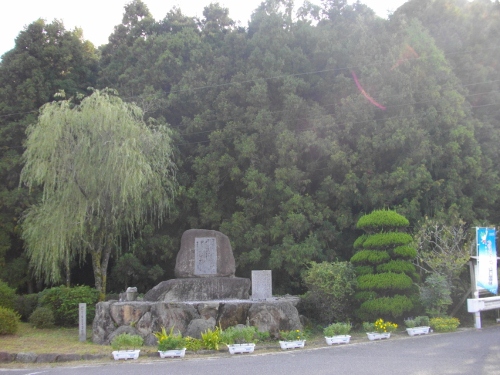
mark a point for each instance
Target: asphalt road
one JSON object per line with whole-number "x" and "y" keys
{"x": 475, "y": 352}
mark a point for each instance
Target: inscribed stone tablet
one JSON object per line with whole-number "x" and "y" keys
{"x": 262, "y": 285}
{"x": 205, "y": 256}
{"x": 82, "y": 321}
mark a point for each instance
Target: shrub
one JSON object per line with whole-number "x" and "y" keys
{"x": 385, "y": 281}
{"x": 331, "y": 286}
{"x": 410, "y": 323}
{"x": 26, "y": 304}
{"x": 293, "y": 335}
{"x": 358, "y": 244}
{"x": 171, "y": 343}
{"x": 370, "y": 256}
{"x": 336, "y": 329}
{"x": 239, "y": 335}
{"x": 380, "y": 326}
{"x": 422, "y": 320}
{"x": 444, "y": 324}
{"x": 363, "y": 270}
{"x": 389, "y": 277}
{"x": 9, "y": 321}
{"x": 7, "y": 296}
{"x": 385, "y": 306}
{"x": 404, "y": 252}
{"x": 193, "y": 344}
{"x": 63, "y": 301}
{"x": 170, "y": 340}
{"x": 126, "y": 341}
{"x": 211, "y": 338}
{"x": 379, "y": 219}
{"x": 383, "y": 240}
{"x": 435, "y": 295}
{"x": 397, "y": 266}
{"x": 42, "y": 317}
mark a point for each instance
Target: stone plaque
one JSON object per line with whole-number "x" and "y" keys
{"x": 205, "y": 256}
{"x": 82, "y": 321}
{"x": 262, "y": 285}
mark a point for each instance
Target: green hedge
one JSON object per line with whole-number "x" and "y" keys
{"x": 26, "y": 304}
{"x": 404, "y": 252}
{"x": 382, "y": 219}
{"x": 9, "y": 321}
{"x": 358, "y": 244}
{"x": 385, "y": 281}
{"x": 397, "y": 266}
{"x": 385, "y": 307}
{"x": 64, "y": 301}
{"x": 384, "y": 240}
{"x": 370, "y": 256}
{"x": 7, "y": 296}
{"x": 365, "y": 295}
{"x": 363, "y": 270}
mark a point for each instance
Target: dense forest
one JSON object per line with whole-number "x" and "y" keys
{"x": 286, "y": 131}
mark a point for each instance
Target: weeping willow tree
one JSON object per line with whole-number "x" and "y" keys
{"x": 103, "y": 172}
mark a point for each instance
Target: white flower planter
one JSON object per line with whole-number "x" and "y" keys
{"x": 378, "y": 336}
{"x": 423, "y": 330}
{"x": 241, "y": 348}
{"x": 340, "y": 339}
{"x": 292, "y": 344}
{"x": 126, "y": 354}
{"x": 172, "y": 353}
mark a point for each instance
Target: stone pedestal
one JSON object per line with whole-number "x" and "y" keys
{"x": 200, "y": 289}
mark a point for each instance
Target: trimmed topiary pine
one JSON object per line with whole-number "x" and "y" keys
{"x": 383, "y": 262}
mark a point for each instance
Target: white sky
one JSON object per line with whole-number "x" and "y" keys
{"x": 97, "y": 18}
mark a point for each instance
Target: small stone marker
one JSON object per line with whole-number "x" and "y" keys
{"x": 205, "y": 256}
{"x": 82, "y": 321}
{"x": 131, "y": 293}
{"x": 262, "y": 285}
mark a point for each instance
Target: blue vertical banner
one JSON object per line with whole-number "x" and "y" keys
{"x": 486, "y": 277}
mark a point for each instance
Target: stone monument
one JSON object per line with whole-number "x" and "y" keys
{"x": 204, "y": 269}
{"x": 205, "y": 294}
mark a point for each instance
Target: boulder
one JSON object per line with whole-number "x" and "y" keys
{"x": 168, "y": 315}
{"x": 274, "y": 317}
{"x": 204, "y": 253}
{"x": 128, "y": 313}
{"x": 208, "y": 310}
{"x": 103, "y": 324}
{"x": 232, "y": 314}
{"x": 198, "y": 326}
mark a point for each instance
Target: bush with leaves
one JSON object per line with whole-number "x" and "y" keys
{"x": 64, "y": 301}
{"x": 444, "y": 324}
{"x": 331, "y": 288}
{"x": 435, "y": 295}
{"x": 239, "y": 335}
{"x": 25, "y": 305}
{"x": 126, "y": 341}
{"x": 211, "y": 338}
{"x": 42, "y": 317}
{"x": 7, "y": 296}
{"x": 386, "y": 274}
{"x": 9, "y": 321}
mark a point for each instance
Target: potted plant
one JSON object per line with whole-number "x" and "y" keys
{"x": 239, "y": 339}
{"x": 337, "y": 333}
{"x": 418, "y": 326}
{"x": 170, "y": 344}
{"x": 379, "y": 330}
{"x": 292, "y": 339}
{"x": 125, "y": 346}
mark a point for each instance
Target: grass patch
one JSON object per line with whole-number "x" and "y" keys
{"x": 54, "y": 340}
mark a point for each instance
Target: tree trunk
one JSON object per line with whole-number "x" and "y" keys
{"x": 100, "y": 260}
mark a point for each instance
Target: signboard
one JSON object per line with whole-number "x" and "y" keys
{"x": 486, "y": 277}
